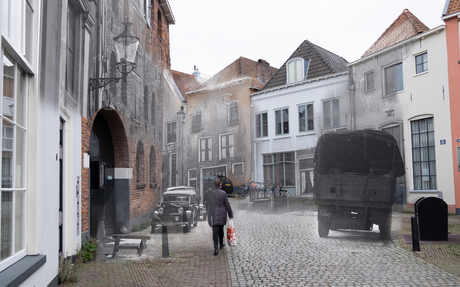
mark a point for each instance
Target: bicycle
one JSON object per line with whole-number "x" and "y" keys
{"x": 278, "y": 190}
{"x": 242, "y": 191}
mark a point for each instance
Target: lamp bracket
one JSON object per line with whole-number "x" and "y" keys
{"x": 97, "y": 83}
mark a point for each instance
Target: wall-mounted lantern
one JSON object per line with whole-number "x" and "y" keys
{"x": 126, "y": 47}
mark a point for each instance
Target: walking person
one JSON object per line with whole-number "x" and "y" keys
{"x": 218, "y": 207}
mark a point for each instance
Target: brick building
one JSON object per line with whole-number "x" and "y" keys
{"x": 122, "y": 123}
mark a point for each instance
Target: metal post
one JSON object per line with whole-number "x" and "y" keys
{"x": 415, "y": 235}
{"x": 165, "y": 247}
{"x": 272, "y": 201}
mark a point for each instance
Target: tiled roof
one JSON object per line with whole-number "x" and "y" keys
{"x": 454, "y": 7}
{"x": 185, "y": 82}
{"x": 404, "y": 27}
{"x": 260, "y": 72}
{"x": 322, "y": 63}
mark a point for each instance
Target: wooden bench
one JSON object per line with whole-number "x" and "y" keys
{"x": 139, "y": 248}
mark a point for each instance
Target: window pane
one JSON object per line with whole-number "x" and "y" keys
{"x": 7, "y": 154}
{"x": 393, "y": 79}
{"x": 335, "y": 113}
{"x": 327, "y": 114}
{"x": 21, "y": 99}
{"x": 258, "y": 126}
{"x": 264, "y": 125}
{"x": 291, "y": 72}
{"x": 8, "y": 88}
{"x": 20, "y": 158}
{"x": 424, "y": 157}
{"x": 278, "y": 122}
{"x": 6, "y": 222}
{"x": 299, "y": 70}
{"x": 302, "y": 123}
{"x": 310, "y": 117}
{"x": 285, "y": 121}
{"x": 19, "y": 221}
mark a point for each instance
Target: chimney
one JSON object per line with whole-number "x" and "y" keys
{"x": 263, "y": 70}
{"x": 196, "y": 73}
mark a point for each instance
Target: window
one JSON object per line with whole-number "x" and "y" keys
{"x": 152, "y": 109}
{"x": 331, "y": 113}
{"x": 296, "y": 70}
{"x": 205, "y": 149}
{"x": 171, "y": 132}
{"x": 279, "y": 168}
{"x": 71, "y": 50}
{"x": 192, "y": 177}
{"x": 139, "y": 162}
{"x": 424, "y": 154}
{"x": 262, "y": 125}
{"x": 458, "y": 158}
{"x": 393, "y": 79}
{"x": 233, "y": 113}
{"x": 306, "y": 118}
{"x": 226, "y": 146}
{"x": 152, "y": 166}
{"x": 369, "y": 84}
{"x": 173, "y": 169}
{"x": 196, "y": 121}
{"x": 14, "y": 149}
{"x": 238, "y": 168}
{"x": 306, "y": 168}
{"x": 282, "y": 121}
{"x": 146, "y": 103}
{"x": 421, "y": 63}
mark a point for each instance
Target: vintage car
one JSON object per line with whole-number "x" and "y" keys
{"x": 179, "y": 206}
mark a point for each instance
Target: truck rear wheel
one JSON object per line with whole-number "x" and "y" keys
{"x": 323, "y": 227}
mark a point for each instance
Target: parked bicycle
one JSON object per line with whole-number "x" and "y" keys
{"x": 278, "y": 190}
{"x": 242, "y": 191}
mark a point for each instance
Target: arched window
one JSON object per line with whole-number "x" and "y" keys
{"x": 140, "y": 165}
{"x": 297, "y": 70}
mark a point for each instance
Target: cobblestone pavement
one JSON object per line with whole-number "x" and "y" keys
{"x": 280, "y": 248}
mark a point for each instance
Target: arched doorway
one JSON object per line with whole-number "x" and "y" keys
{"x": 109, "y": 189}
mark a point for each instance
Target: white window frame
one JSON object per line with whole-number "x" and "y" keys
{"x": 283, "y": 123}
{"x": 18, "y": 186}
{"x": 424, "y": 156}
{"x": 238, "y": 163}
{"x": 260, "y": 126}
{"x": 307, "y": 117}
{"x": 332, "y": 120}
{"x": 424, "y": 65}
{"x": 204, "y": 150}
{"x": 395, "y": 81}
{"x": 366, "y": 84}
{"x": 233, "y": 113}
{"x": 296, "y": 70}
{"x": 168, "y": 134}
{"x": 230, "y": 146}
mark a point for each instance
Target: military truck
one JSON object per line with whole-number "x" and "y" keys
{"x": 355, "y": 178}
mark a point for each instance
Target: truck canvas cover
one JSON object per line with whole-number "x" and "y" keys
{"x": 359, "y": 152}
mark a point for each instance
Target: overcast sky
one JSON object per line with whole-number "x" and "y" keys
{"x": 211, "y": 34}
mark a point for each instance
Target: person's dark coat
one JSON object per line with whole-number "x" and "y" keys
{"x": 217, "y": 207}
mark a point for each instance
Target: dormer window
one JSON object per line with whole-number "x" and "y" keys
{"x": 296, "y": 70}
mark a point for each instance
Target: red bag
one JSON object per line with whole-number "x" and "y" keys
{"x": 231, "y": 236}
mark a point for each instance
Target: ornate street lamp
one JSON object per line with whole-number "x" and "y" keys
{"x": 126, "y": 47}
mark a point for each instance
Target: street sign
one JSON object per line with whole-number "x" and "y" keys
{"x": 443, "y": 142}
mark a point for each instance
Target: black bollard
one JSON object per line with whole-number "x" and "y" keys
{"x": 165, "y": 246}
{"x": 415, "y": 235}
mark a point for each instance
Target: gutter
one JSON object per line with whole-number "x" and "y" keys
{"x": 217, "y": 88}
{"x": 300, "y": 83}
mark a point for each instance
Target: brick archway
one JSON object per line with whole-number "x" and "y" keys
{"x": 119, "y": 139}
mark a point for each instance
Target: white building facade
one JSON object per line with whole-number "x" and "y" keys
{"x": 403, "y": 89}
{"x": 308, "y": 96}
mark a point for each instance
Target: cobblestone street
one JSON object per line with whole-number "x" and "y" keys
{"x": 280, "y": 248}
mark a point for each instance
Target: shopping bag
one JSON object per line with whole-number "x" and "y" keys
{"x": 231, "y": 236}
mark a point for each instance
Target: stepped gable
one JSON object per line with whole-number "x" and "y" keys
{"x": 260, "y": 72}
{"x": 323, "y": 62}
{"x": 404, "y": 27}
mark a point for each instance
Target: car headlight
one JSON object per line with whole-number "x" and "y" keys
{"x": 180, "y": 210}
{"x": 160, "y": 210}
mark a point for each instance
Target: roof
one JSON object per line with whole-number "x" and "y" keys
{"x": 167, "y": 11}
{"x": 322, "y": 63}
{"x": 259, "y": 72}
{"x": 452, "y": 7}
{"x": 188, "y": 190}
{"x": 185, "y": 82}
{"x": 404, "y": 27}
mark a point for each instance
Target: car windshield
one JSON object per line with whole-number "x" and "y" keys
{"x": 171, "y": 198}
